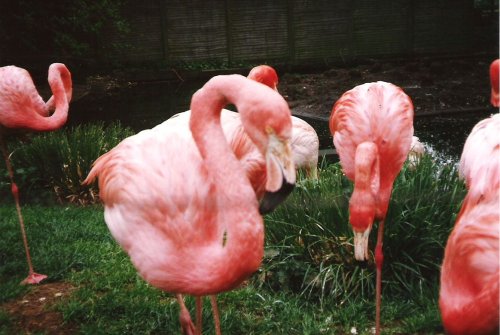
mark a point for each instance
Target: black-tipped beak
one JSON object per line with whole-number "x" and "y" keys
{"x": 272, "y": 199}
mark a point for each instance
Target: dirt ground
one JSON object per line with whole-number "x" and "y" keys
{"x": 434, "y": 85}
{"x": 36, "y": 312}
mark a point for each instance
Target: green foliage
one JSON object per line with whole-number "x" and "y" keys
{"x": 60, "y": 28}
{"x": 309, "y": 240}
{"x": 72, "y": 244}
{"x": 59, "y": 161}
{"x": 309, "y": 282}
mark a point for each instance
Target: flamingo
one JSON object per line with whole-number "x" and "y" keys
{"x": 179, "y": 202}
{"x": 305, "y": 142}
{"x": 372, "y": 128}
{"x": 22, "y": 107}
{"x": 494, "y": 72}
{"x": 417, "y": 150}
{"x": 470, "y": 274}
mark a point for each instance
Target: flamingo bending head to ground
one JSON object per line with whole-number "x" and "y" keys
{"x": 372, "y": 128}
{"x": 470, "y": 274}
{"x": 178, "y": 201}
{"x": 22, "y": 107}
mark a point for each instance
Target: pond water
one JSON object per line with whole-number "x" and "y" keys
{"x": 146, "y": 105}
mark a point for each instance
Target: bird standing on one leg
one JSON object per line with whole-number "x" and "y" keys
{"x": 22, "y": 107}
{"x": 178, "y": 201}
{"x": 372, "y": 128}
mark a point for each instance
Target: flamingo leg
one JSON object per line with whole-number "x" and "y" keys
{"x": 187, "y": 326}
{"x": 33, "y": 277}
{"x": 215, "y": 311}
{"x": 199, "y": 307}
{"x": 379, "y": 260}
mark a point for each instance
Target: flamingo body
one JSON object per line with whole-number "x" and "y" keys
{"x": 177, "y": 199}
{"x": 21, "y": 107}
{"x": 469, "y": 293}
{"x": 382, "y": 114}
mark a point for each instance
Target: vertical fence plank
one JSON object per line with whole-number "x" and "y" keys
{"x": 300, "y": 31}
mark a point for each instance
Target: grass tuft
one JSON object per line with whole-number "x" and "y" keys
{"x": 57, "y": 162}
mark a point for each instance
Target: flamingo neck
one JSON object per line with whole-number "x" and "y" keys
{"x": 366, "y": 186}
{"x": 60, "y": 84}
{"x": 242, "y": 236}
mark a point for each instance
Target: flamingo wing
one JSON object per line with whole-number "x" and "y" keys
{"x": 157, "y": 209}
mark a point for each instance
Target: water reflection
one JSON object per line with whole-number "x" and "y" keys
{"x": 145, "y": 106}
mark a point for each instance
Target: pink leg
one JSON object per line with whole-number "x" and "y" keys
{"x": 199, "y": 307}
{"x": 379, "y": 260}
{"x": 187, "y": 327}
{"x": 215, "y": 311}
{"x": 33, "y": 277}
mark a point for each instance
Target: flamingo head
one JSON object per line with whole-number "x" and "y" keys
{"x": 494, "y": 72}
{"x": 266, "y": 75}
{"x": 269, "y": 125}
{"x": 361, "y": 217}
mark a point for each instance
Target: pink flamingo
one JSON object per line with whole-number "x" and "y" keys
{"x": 494, "y": 73}
{"x": 470, "y": 276}
{"x": 372, "y": 128}
{"x": 22, "y": 107}
{"x": 417, "y": 150}
{"x": 179, "y": 202}
{"x": 305, "y": 142}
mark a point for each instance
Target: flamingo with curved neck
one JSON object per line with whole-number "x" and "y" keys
{"x": 305, "y": 142}
{"x": 22, "y": 107}
{"x": 179, "y": 202}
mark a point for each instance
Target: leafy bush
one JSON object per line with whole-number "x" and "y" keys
{"x": 61, "y": 160}
{"x": 309, "y": 239}
{"x": 60, "y": 28}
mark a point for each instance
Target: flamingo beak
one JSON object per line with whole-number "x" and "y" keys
{"x": 280, "y": 171}
{"x": 361, "y": 244}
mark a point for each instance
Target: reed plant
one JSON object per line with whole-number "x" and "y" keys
{"x": 59, "y": 161}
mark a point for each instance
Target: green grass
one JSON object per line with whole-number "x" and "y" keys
{"x": 309, "y": 282}
{"x": 52, "y": 165}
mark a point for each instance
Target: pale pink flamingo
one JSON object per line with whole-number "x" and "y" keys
{"x": 372, "y": 128}
{"x": 470, "y": 276}
{"x": 22, "y": 107}
{"x": 305, "y": 142}
{"x": 178, "y": 201}
{"x": 417, "y": 150}
{"x": 494, "y": 73}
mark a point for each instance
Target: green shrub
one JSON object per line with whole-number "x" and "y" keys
{"x": 59, "y": 161}
{"x": 309, "y": 247}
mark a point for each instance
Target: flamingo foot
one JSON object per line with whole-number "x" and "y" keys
{"x": 33, "y": 278}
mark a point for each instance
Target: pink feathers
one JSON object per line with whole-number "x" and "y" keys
{"x": 470, "y": 277}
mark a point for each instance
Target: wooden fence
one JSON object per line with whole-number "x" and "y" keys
{"x": 301, "y": 31}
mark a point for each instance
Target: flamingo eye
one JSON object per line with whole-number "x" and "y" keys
{"x": 269, "y": 130}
